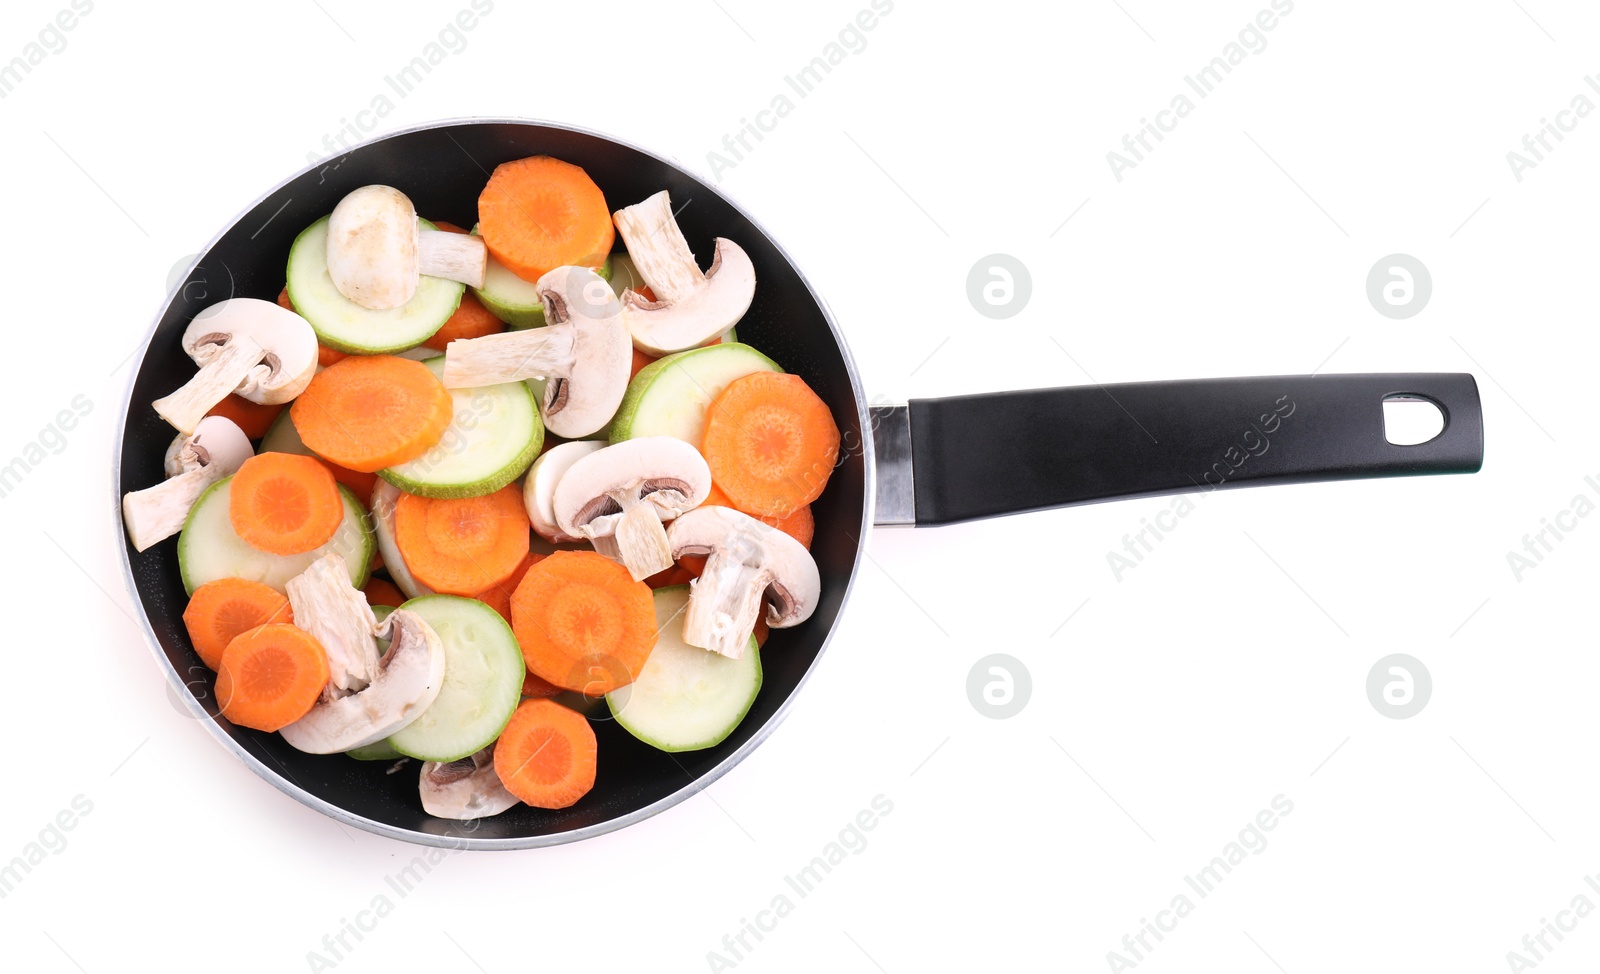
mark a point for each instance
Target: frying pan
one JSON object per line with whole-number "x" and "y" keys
{"x": 929, "y": 462}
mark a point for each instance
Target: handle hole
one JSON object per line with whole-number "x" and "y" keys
{"x": 1409, "y": 420}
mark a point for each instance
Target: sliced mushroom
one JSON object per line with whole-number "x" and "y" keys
{"x": 337, "y": 615}
{"x": 403, "y": 683}
{"x": 584, "y": 351}
{"x": 690, "y": 308}
{"x": 465, "y": 789}
{"x": 624, "y": 492}
{"x": 216, "y": 449}
{"x": 376, "y": 250}
{"x": 539, "y": 486}
{"x": 263, "y": 352}
{"x": 747, "y": 562}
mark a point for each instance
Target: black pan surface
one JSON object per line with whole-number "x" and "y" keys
{"x": 442, "y": 168}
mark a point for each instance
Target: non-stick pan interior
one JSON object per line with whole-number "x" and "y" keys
{"x": 442, "y": 169}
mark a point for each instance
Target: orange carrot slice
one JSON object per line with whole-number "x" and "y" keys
{"x": 284, "y": 503}
{"x": 380, "y": 592}
{"x": 471, "y": 320}
{"x": 271, "y": 676}
{"x": 546, "y": 754}
{"x": 770, "y": 442}
{"x": 583, "y": 623}
{"x": 220, "y": 610}
{"x": 360, "y": 483}
{"x": 372, "y": 411}
{"x": 251, "y": 417}
{"x": 640, "y": 360}
{"x": 536, "y": 686}
{"x": 540, "y": 213}
{"x": 498, "y": 595}
{"x": 462, "y": 546}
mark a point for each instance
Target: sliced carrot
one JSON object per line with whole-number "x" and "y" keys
{"x": 546, "y": 754}
{"x": 770, "y": 442}
{"x": 221, "y": 610}
{"x": 540, "y": 213}
{"x": 462, "y": 546}
{"x": 360, "y": 483}
{"x": 284, "y": 503}
{"x": 372, "y": 411}
{"x": 325, "y": 356}
{"x": 471, "y": 320}
{"x": 271, "y": 676}
{"x": 798, "y": 524}
{"x": 583, "y": 622}
{"x": 640, "y": 360}
{"x": 536, "y": 686}
{"x": 762, "y": 629}
{"x": 498, "y": 595}
{"x": 251, "y": 417}
{"x": 380, "y": 592}
{"x": 678, "y": 574}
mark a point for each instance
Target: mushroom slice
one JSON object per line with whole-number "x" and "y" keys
{"x": 747, "y": 562}
{"x": 376, "y": 250}
{"x": 215, "y": 449}
{"x": 584, "y": 351}
{"x": 539, "y": 487}
{"x": 407, "y": 681}
{"x": 690, "y": 308}
{"x": 265, "y": 353}
{"x": 465, "y": 789}
{"x": 624, "y": 492}
{"x": 336, "y": 613}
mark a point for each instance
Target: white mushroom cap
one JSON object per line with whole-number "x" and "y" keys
{"x": 539, "y": 487}
{"x": 372, "y": 247}
{"x": 626, "y": 491}
{"x": 216, "y": 449}
{"x": 690, "y": 308}
{"x": 376, "y": 250}
{"x": 748, "y": 562}
{"x": 584, "y": 351}
{"x": 409, "y": 677}
{"x": 465, "y": 789}
{"x": 255, "y": 348}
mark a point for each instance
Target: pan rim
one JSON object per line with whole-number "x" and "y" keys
{"x": 463, "y": 840}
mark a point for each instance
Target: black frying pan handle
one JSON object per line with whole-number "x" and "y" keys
{"x": 1010, "y": 452}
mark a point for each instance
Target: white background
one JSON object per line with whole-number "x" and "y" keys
{"x": 1176, "y": 703}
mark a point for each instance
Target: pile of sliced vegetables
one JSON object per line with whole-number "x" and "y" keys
{"x": 450, "y": 557}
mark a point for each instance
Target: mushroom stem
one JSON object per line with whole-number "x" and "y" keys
{"x": 641, "y": 539}
{"x": 537, "y": 353}
{"x": 193, "y": 463}
{"x": 156, "y": 513}
{"x": 226, "y": 368}
{"x": 606, "y": 544}
{"x": 723, "y": 605}
{"x": 336, "y": 613}
{"x": 659, "y": 250}
{"x": 454, "y": 256}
